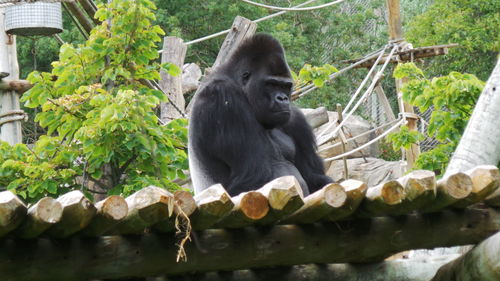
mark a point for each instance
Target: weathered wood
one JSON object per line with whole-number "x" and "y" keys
{"x": 213, "y": 204}
{"x": 9, "y": 100}
{"x": 480, "y": 142}
{"x": 316, "y": 117}
{"x": 249, "y": 207}
{"x": 319, "y": 204}
{"x": 382, "y": 199}
{"x": 12, "y": 212}
{"x": 407, "y": 55}
{"x": 241, "y": 29}
{"x": 394, "y": 270}
{"x": 113, "y": 257}
{"x": 77, "y": 212}
{"x": 284, "y": 195}
{"x": 394, "y": 20}
{"x": 355, "y": 191}
{"x": 45, "y": 213}
{"x": 449, "y": 190}
{"x": 494, "y": 199}
{"x": 485, "y": 180}
{"x": 382, "y": 98}
{"x": 90, "y": 9}
{"x": 185, "y": 206}
{"x": 420, "y": 189}
{"x": 80, "y": 16}
{"x": 146, "y": 207}
{"x": 109, "y": 212}
{"x": 18, "y": 86}
{"x": 174, "y": 51}
{"x": 481, "y": 263}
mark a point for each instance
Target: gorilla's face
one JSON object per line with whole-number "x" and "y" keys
{"x": 268, "y": 89}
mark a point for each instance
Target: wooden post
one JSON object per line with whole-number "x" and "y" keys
{"x": 396, "y": 35}
{"x": 174, "y": 51}
{"x": 9, "y": 100}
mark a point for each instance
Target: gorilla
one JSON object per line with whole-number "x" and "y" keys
{"x": 243, "y": 130}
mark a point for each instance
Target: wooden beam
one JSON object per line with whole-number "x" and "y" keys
{"x": 80, "y": 16}
{"x": 19, "y": 86}
{"x": 394, "y": 20}
{"x": 174, "y": 51}
{"x": 481, "y": 263}
{"x": 407, "y": 55}
{"x": 363, "y": 240}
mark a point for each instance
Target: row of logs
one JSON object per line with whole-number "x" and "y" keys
{"x": 278, "y": 202}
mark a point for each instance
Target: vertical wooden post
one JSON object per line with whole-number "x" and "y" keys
{"x": 241, "y": 29}
{"x": 396, "y": 35}
{"x": 174, "y": 51}
{"x": 9, "y": 100}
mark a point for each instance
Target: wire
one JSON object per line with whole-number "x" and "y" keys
{"x": 293, "y": 8}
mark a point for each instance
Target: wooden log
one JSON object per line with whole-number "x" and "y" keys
{"x": 146, "y": 207}
{"x": 90, "y": 9}
{"x": 185, "y": 206}
{"x": 174, "y": 51}
{"x": 485, "y": 180}
{"x": 420, "y": 189}
{"x": 213, "y": 204}
{"x": 77, "y": 212}
{"x": 319, "y": 204}
{"x": 284, "y": 195}
{"x": 316, "y": 117}
{"x": 110, "y": 211}
{"x": 115, "y": 257}
{"x": 241, "y": 29}
{"x": 249, "y": 207}
{"x": 394, "y": 270}
{"x": 45, "y": 213}
{"x": 394, "y": 20}
{"x": 355, "y": 191}
{"x": 481, "y": 263}
{"x": 493, "y": 200}
{"x": 18, "y": 86}
{"x": 80, "y": 16}
{"x": 382, "y": 199}
{"x": 12, "y": 212}
{"x": 449, "y": 190}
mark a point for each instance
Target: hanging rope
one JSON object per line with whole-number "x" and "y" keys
{"x": 294, "y": 9}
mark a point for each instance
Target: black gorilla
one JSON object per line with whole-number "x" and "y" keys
{"x": 243, "y": 130}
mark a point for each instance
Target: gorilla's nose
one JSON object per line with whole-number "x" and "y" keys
{"x": 281, "y": 98}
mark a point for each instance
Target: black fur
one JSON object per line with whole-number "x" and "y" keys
{"x": 244, "y": 132}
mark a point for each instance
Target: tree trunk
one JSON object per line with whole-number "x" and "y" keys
{"x": 481, "y": 263}
{"x": 361, "y": 240}
{"x": 480, "y": 143}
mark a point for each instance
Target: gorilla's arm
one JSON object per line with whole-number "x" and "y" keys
{"x": 307, "y": 161}
{"x": 226, "y": 132}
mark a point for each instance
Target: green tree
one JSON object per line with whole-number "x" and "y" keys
{"x": 102, "y": 130}
{"x": 451, "y": 99}
{"x": 471, "y": 23}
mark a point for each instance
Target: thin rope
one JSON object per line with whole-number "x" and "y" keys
{"x": 358, "y": 136}
{"x": 368, "y": 143}
{"x": 368, "y": 91}
{"x": 293, "y": 9}
{"x": 228, "y": 30}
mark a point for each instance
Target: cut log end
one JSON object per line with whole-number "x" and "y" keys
{"x": 335, "y": 195}
{"x": 214, "y": 200}
{"x": 254, "y": 205}
{"x": 281, "y": 191}
{"x": 392, "y": 192}
{"x": 484, "y": 177}
{"x": 458, "y": 185}
{"x": 49, "y": 210}
{"x": 115, "y": 207}
{"x": 184, "y": 201}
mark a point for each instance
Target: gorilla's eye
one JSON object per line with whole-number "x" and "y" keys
{"x": 245, "y": 76}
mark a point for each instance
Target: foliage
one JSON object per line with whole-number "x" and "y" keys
{"x": 471, "y": 23}
{"x": 451, "y": 99}
{"x": 102, "y": 131}
{"x": 317, "y": 75}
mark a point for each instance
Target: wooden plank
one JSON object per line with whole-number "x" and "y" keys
{"x": 174, "y": 51}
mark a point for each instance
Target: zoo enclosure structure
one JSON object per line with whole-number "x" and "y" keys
{"x": 274, "y": 226}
